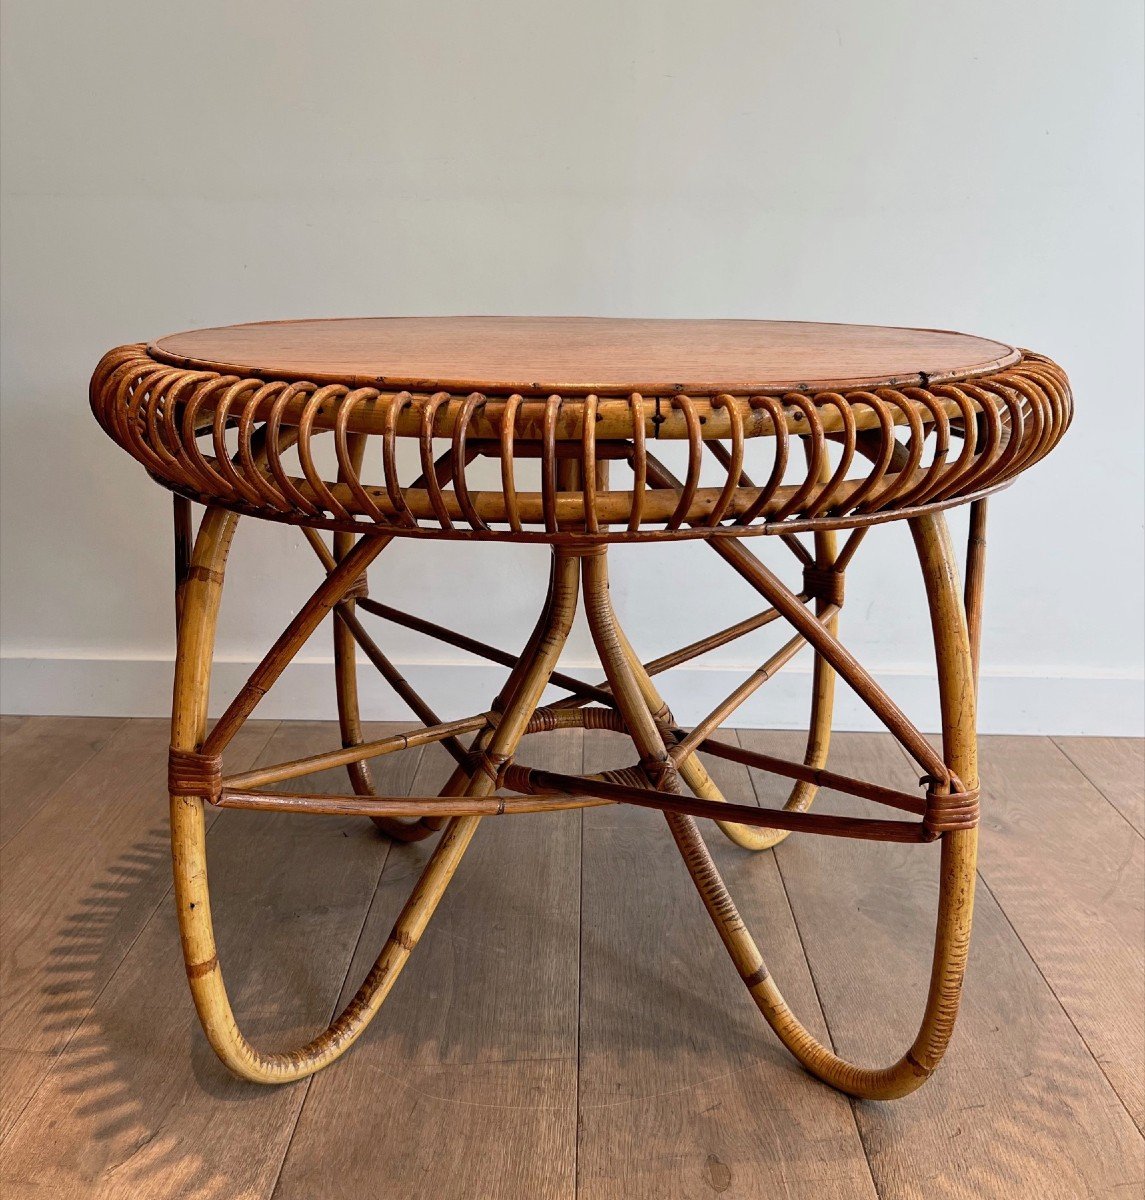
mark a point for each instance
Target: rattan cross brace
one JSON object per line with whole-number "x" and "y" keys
{"x": 904, "y": 448}
{"x": 947, "y": 808}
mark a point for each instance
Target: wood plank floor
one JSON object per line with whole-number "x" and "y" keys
{"x": 569, "y": 1025}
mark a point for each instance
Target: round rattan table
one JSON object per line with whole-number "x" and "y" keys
{"x": 789, "y": 435}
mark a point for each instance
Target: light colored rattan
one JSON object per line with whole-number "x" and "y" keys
{"x": 900, "y": 449}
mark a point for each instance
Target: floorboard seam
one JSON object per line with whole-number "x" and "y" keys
{"x": 18, "y": 1117}
{"x": 63, "y": 783}
{"x": 88, "y": 1011}
{"x": 579, "y": 989}
{"x": 55, "y": 1057}
{"x": 345, "y": 978}
{"x": 1058, "y": 1000}
{"x": 1029, "y": 954}
{"x": 851, "y": 1102}
{"x": 1093, "y": 784}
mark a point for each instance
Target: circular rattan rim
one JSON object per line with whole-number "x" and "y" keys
{"x": 871, "y": 455}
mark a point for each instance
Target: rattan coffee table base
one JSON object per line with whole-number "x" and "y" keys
{"x": 787, "y": 436}
{"x": 667, "y": 773}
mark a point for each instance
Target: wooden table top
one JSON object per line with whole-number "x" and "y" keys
{"x": 580, "y": 355}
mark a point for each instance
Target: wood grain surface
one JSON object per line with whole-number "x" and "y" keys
{"x": 1020, "y": 1107}
{"x": 1116, "y": 767}
{"x": 78, "y": 882}
{"x": 569, "y": 1011}
{"x": 477, "y": 1046}
{"x": 136, "y": 1103}
{"x": 1089, "y": 938}
{"x": 39, "y": 755}
{"x": 683, "y": 1091}
{"x": 579, "y": 355}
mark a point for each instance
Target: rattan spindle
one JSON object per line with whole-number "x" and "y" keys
{"x": 812, "y": 429}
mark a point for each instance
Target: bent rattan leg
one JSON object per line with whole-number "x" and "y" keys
{"x": 693, "y": 771}
{"x": 459, "y": 779}
{"x": 201, "y": 593}
{"x": 958, "y": 855}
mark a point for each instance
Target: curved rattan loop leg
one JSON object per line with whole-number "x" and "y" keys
{"x": 818, "y": 724}
{"x": 695, "y": 774}
{"x": 459, "y": 779}
{"x": 201, "y": 591}
{"x": 825, "y": 560}
{"x": 958, "y": 854}
{"x": 692, "y": 770}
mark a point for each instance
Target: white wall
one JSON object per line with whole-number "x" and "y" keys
{"x": 973, "y": 165}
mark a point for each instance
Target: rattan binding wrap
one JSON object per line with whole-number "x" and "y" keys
{"x": 360, "y": 461}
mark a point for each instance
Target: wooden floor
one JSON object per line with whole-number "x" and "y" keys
{"x": 570, "y": 1025}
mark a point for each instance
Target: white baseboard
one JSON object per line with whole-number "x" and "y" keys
{"x": 1011, "y": 702}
